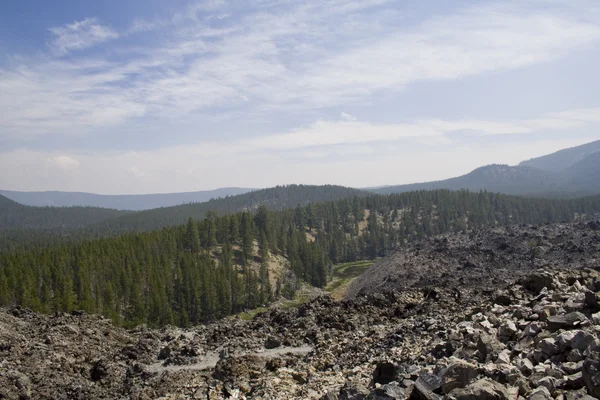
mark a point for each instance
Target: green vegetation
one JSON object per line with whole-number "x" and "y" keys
{"x": 344, "y": 273}
{"x": 206, "y": 269}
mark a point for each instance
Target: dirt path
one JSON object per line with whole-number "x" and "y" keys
{"x": 212, "y": 358}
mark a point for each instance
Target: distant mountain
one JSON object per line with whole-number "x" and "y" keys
{"x": 568, "y": 173}
{"x": 18, "y": 216}
{"x": 563, "y": 159}
{"x": 134, "y": 202}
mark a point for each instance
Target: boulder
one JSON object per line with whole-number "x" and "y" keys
{"x": 591, "y": 374}
{"x": 458, "y": 375}
{"x": 537, "y": 281}
{"x": 272, "y": 343}
{"x": 391, "y": 391}
{"x": 351, "y": 391}
{"x": 540, "y": 393}
{"x": 99, "y": 371}
{"x": 427, "y": 387}
{"x": 385, "y": 372}
{"x": 566, "y": 321}
{"x": 483, "y": 389}
{"x": 489, "y": 347}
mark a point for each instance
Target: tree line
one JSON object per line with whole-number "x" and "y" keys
{"x": 219, "y": 265}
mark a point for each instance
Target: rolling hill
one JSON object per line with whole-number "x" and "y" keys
{"x": 134, "y": 202}
{"x": 18, "y": 216}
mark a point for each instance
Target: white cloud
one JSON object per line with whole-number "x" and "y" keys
{"x": 290, "y": 58}
{"x": 80, "y": 35}
{"x": 63, "y": 162}
{"x": 347, "y": 117}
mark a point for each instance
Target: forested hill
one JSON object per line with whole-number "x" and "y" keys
{"x": 276, "y": 198}
{"x": 17, "y": 216}
{"x": 22, "y": 226}
{"x": 187, "y": 274}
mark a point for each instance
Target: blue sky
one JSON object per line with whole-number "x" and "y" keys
{"x": 154, "y": 96}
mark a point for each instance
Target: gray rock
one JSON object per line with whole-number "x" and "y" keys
{"x": 483, "y": 389}
{"x": 581, "y": 340}
{"x": 566, "y": 321}
{"x": 548, "y": 382}
{"x": 272, "y": 343}
{"x": 458, "y": 375}
{"x": 536, "y": 282}
{"x": 507, "y": 331}
{"x": 540, "y": 393}
{"x": 525, "y": 366}
{"x": 572, "y": 367}
{"x": 591, "y": 374}
{"x": 549, "y": 347}
{"x": 592, "y": 301}
{"x": 489, "y": 347}
{"x": 532, "y": 329}
{"x": 427, "y": 387}
{"x": 391, "y": 391}
{"x": 385, "y": 372}
{"x": 573, "y": 382}
{"x": 352, "y": 391}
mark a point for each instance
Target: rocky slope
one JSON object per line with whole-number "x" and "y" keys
{"x": 526, "y": 328}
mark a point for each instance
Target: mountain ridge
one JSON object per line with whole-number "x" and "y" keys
{"x": 129, "y": 202}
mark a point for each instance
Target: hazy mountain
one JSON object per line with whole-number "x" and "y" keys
{"x": 119, "y": 202}
{"x": 567, "y": 173}
{"x": 276, "y": 198}
{"x": 563, "y": 159}
{"x": 18, "y": 216}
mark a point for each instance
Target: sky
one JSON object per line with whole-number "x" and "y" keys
{"x": 148, "y": 96}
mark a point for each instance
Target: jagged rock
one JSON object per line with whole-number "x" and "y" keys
{"x": 592, "y": 301}
{"x": 427, "y": 387}
{"x": 483, "y": 389}
{"x": 573, "y": 382}
{"x": 330, "y": 395}
{"x": 272, "y": 343}
{"x": 388, "y": 392}
{"x": 591, "y": 374}
{"x": 536, "y": 282}
{"x": 99, "y": 370}
{"x": 549, "y": 347}
{"x": 525, "y": 366}
{"x": 566, "y": 321}
{"x": 548, "y": 382}
{"x": 507, "y": 331}
{"x": 541, "y": 393}
{"x": 385, "y": 372}
{"x": 164, "y": 353}
{"x": 352, "y": 391}
{"x": 458, "y": 375}
{"x": 532, "y": 329}
{"x": 489, "y": 347}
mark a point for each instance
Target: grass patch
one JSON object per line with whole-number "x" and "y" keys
{"x": 343, "y": 274}
{"x": 250, "y": 314}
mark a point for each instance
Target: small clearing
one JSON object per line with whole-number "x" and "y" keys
{"x": 344, "y": 274}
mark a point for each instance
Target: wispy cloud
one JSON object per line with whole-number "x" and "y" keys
{"x": 271, "y": 57}
{"x": 80, "y": 35}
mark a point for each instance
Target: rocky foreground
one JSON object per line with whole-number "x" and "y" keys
{"x": 502, "y": 314}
